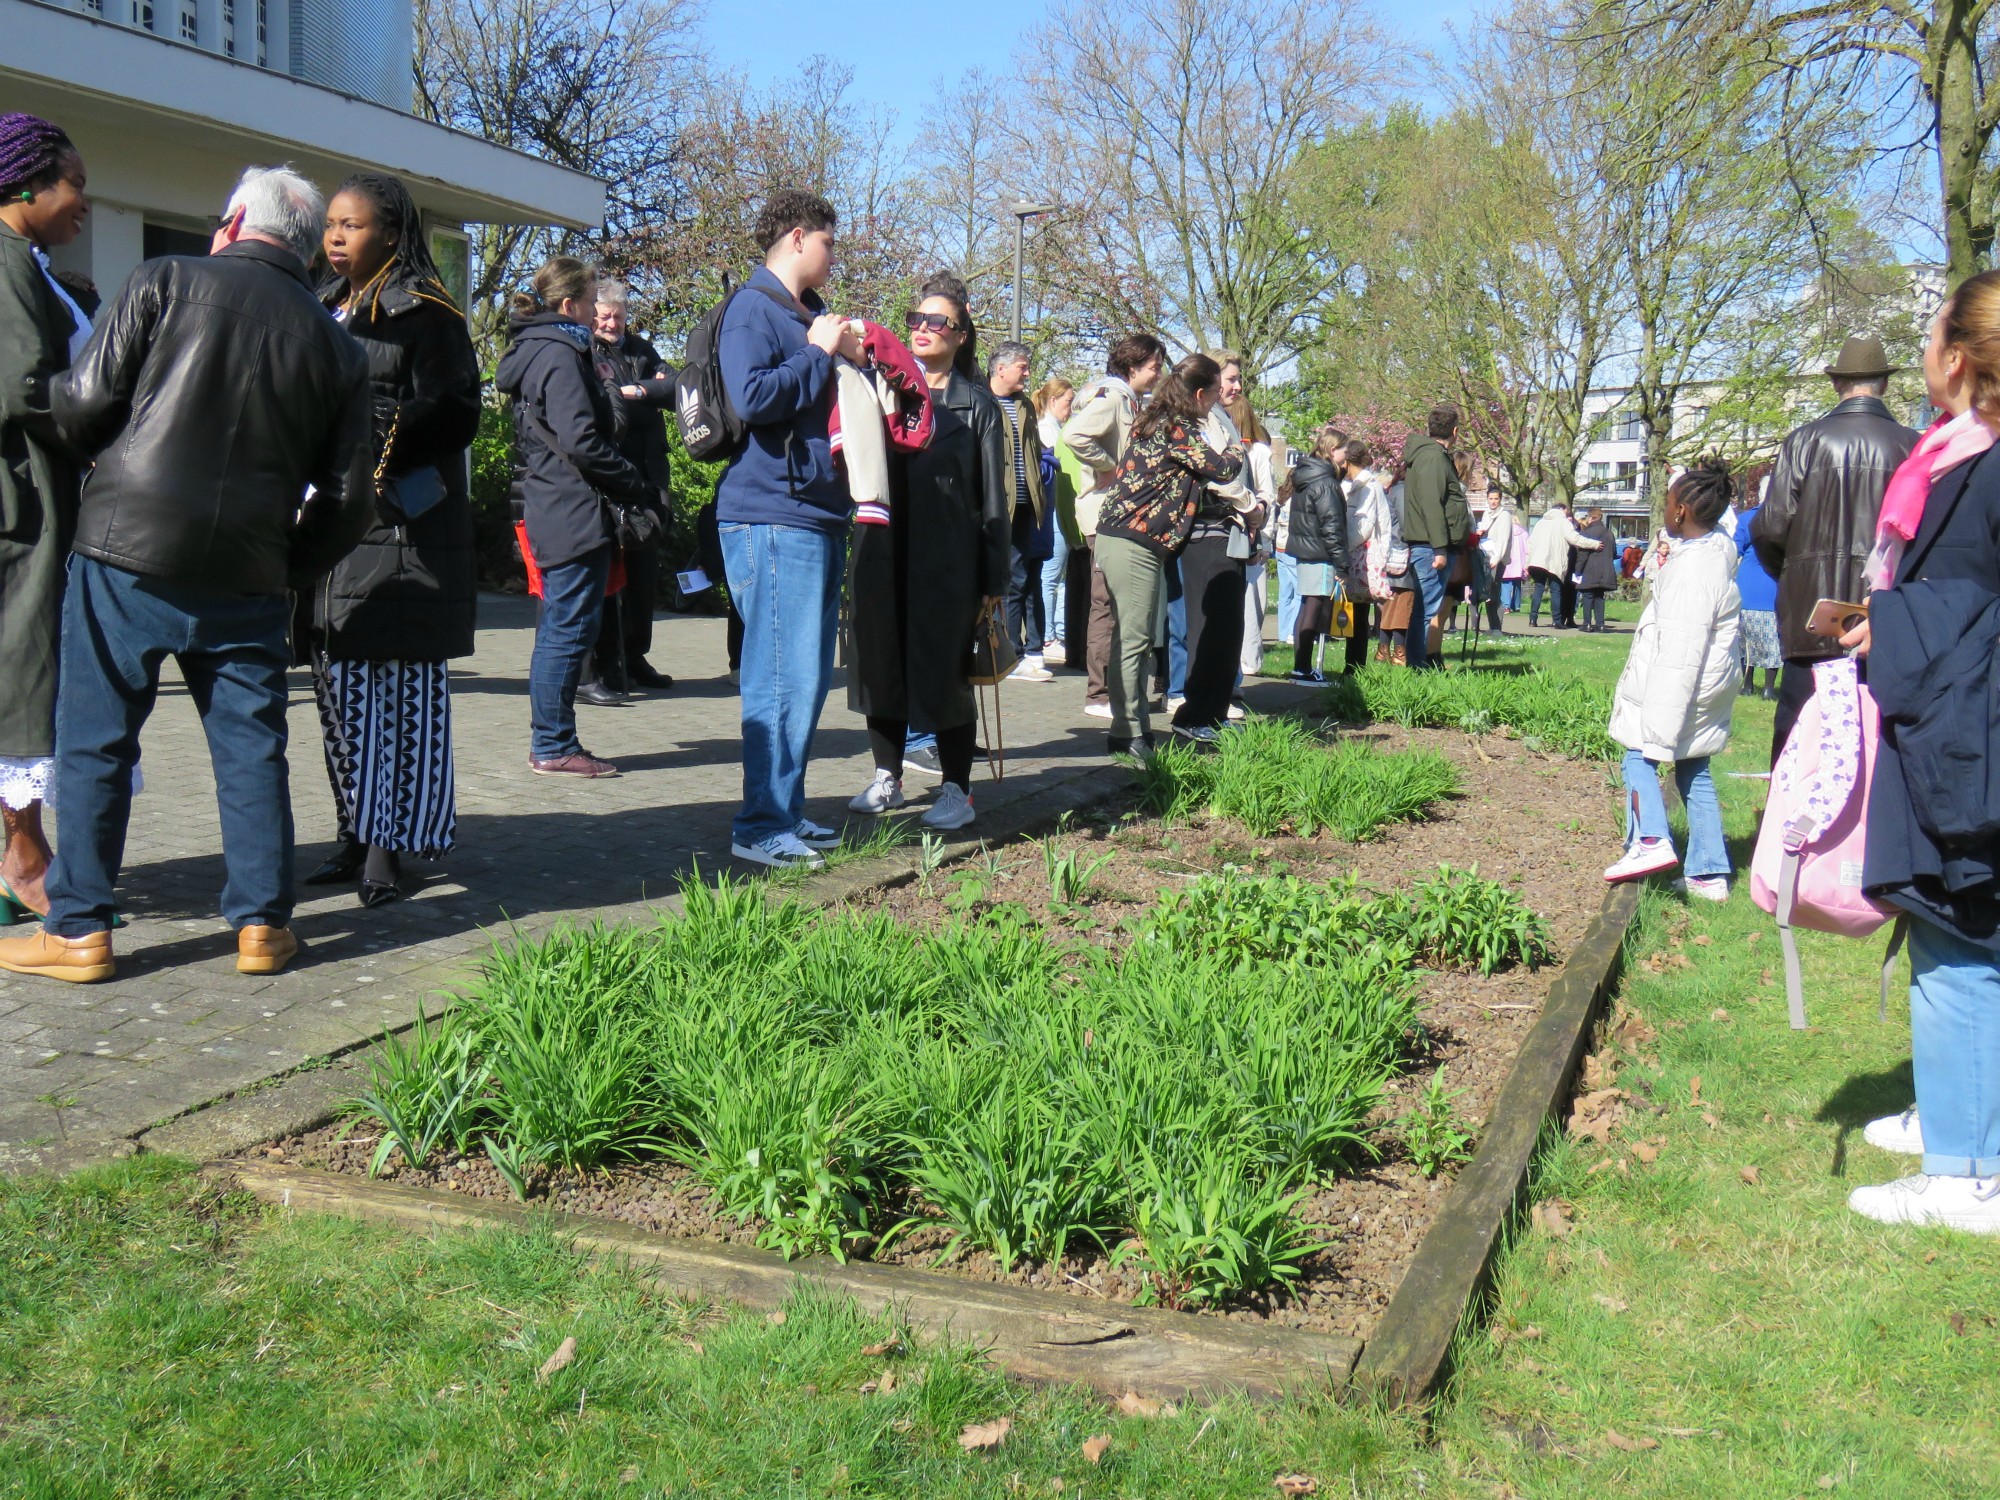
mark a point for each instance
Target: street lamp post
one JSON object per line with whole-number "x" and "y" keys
{"x": 1022, "y": 212}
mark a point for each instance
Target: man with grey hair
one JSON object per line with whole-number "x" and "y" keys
{"x": 1033, "y": 533}
{"x": 229, "y": 418}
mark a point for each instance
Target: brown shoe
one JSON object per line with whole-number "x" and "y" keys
{"x": 264, "y": 950}
{"x": 582, "y": 763}
{"x": 79, "y": 960}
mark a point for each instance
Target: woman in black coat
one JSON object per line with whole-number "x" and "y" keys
{"x": 1599, "y": 569}
{"x": 396, "y": 609}
{"x": 1318, "y": 542}
{"x": 920, "y": 583}
{"x": 41, "y": 328}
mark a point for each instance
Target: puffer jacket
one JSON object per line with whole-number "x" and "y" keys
{"x": 1817, "y": 524}
{"x": 1679, "y": 684}
{"x": 212, "y": 394}
{"x": 566, "y": 425}
{"x": 1319, "y": 515}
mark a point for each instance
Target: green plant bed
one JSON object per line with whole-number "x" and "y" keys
{"x": 1550, "y": 709}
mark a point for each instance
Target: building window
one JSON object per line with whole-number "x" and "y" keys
{"x": 1629, "y": 428}
{"x": 190, "y": 28}
{"x": 142, "y": 14}
{"x": 228, "y": 28}
{"x": 263, "y": 18}
{"x": 93, "y": 7}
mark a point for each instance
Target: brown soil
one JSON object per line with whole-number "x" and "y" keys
{"x": 1538, "y": 822}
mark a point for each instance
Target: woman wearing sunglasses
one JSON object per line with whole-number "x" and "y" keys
{"x": 920, "y": 584}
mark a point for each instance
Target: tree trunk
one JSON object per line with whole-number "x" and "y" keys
{"x": 1961, "y": 142}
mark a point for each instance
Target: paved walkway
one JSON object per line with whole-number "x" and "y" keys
{"x": 82, "y": 1067}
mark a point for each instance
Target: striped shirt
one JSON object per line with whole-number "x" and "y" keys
{"x": 1012, "y": 406}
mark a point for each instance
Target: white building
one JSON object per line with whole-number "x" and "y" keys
{"x": 168, "y": 100}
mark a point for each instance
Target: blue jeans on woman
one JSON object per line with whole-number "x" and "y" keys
{"x": 1288, "y": 598}
{"x": 1707, "y": 852}
{"x": 1055, "y": 593}
{"x": 1955, "y": 1050}
{"x": 572, "y": 607}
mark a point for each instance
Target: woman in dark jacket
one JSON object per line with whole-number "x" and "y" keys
{"x": 1599, "y": 569}
{"x": 566, "y": 461}
{"x": 1936, "y": 574}
{"x": 392, "y": 612}
{"x": 920, "y": 584}
{"x": 1318, "y": 541}
{"x": 41, "y": 328}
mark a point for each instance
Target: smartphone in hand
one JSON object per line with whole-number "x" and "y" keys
{"x": 1833, "y": 618}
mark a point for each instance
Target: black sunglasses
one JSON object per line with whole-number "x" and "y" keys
{"x": 935, "y": 322}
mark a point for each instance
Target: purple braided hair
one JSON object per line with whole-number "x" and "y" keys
{"x": 31, "y": 152}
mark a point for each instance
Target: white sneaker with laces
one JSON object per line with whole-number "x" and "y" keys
{"x": 1030, "y": 669}
{"x": 781, "y": 851}
{"x": 1705, "y": 887}
{"x": 953, "y": 808}
{"x": 883, "y": 794}
{"x": 814, "y": 836}
{"x": 1968, "y": 1203}
{"x": 1644, "y": 858}
{"x": 1097, "y": 710}
{"x": 1055, "y": 654}
{"x": 1902, "y": 1134}
{"x": 1236, "y": 713}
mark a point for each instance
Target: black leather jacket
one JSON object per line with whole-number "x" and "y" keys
{"x": 1318, "y": 531}
{"x": 1817, "y": 524}
{"x": 211, "y": 395}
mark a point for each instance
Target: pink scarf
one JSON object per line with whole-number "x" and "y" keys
{"x": 1949, "y": 443}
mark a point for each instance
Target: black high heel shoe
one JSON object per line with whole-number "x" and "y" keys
{"x": 380, "y": 872}
{"x": 340, "y": 869}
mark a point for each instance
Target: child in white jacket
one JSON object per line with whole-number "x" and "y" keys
{"x": 1679, "y": 684}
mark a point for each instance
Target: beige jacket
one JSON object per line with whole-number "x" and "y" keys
{"x": 1096, "y": 432}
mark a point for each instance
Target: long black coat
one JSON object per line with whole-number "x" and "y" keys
{"x": 1599, "y": 568}
{"x": 916, "y": 585}
{"x": 408, "y": 592}
{"x": 38, "y": 490}
{"x": 644, "y": 441}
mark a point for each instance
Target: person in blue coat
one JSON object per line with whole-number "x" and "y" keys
{"x": 1759, "y": 590}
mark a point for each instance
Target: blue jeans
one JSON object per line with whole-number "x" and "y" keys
{"x": 117, "y": 629}
{"x": 1430, "y": 598}
{"x": 1288, "y": 598}
{"x": 786, "y": 584}
{"x": 1055, "y": 592}
{"x": 572, "y": 607}
{"x": 1707, "y": 852}
{"x": 1510, "y": 594}
{"x": 1955, "y": 1050}
{"x": 1177, "y": 651}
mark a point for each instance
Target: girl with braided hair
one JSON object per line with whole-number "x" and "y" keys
{"x": 395, "y": 610}
{"x": 42, "y": 206}
{"x": 1679, "y": 684}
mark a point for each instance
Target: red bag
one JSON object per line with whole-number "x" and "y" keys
{"x": 613, "y": 585}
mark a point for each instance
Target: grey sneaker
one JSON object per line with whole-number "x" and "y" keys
{"x": 924, "y": 760}
{"x": 1198, "y": 734}
{"x": 953, "y": 808}
{"x": 883, "y": 794}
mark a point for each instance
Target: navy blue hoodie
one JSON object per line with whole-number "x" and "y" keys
{"x": 783, "y": 388}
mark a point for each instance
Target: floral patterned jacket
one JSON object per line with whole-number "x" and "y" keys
{"x": 1159, "y": 486}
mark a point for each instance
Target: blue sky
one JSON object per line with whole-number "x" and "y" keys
{"x": 897, "y": 52}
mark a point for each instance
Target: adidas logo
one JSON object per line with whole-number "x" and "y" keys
{"x": 694, "y": 424}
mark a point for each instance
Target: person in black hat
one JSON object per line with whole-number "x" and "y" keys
{"x": 1817, "y": 522}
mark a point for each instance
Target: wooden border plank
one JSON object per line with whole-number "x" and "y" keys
{"x": 1044, "y": 1336}
{"x": 1407, "y": 1358}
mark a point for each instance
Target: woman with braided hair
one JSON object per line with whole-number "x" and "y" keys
{"x": 390, "y": 615}
{"x": 41, "y": 330}
{"x": 1679, "y": 684}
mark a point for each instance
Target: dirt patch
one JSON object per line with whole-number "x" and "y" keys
{"x": 1540, "y": 824}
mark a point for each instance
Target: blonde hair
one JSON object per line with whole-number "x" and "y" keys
{"x": 1970, "y": 323}
{"x": 1049, "y": 392}
{"x": 1240, "y": 412}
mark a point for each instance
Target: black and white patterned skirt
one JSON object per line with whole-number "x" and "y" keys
{"x": 387, "y": 726}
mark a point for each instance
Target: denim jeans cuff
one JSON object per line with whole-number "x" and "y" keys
{"x": 1961, "y": 1166}
{"x": 75, "y": 927}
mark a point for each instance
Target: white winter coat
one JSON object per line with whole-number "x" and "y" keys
{"x": 1550, "y": 541}
{"x": 1679, "y": 683}
{"x": 1368, "y": 521}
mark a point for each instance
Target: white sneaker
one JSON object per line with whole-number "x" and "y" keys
{"x": 1031, "y": 669}
{"x": 883, "y": 794}
{"x": 1055, "y": 654}
{"x": 1968, "y": 1203}
{"x": 1705, "y": 887}
{"x": 1902, "y": 1134}
{"x": 814, "y": 836}
{"x": 1237, "y": 713}
{"x": 953, "y": 808}
{"x": 1173, "y": 705}
{"x": 1643, "y": 859}
{"x": 1097, "y": 710}
{"x": 781, "y": 851}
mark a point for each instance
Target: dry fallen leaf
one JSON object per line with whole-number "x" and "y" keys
{"x": 1600, "y": 1071}
{"x": 1625, "y": 1444}
{"x": 1132, "y": 1404}
{"x": 776, "y": 1319}
{"x": 1709, "y": 1120}
{"x": 695, "y": 1344}
{"x": 1295, "y": 1484}
{"x": 629, "y": 1474}
{"x": 1701, "y": 940}
{"x": 1646, "y": 1153}
{"x": 1929, "y": 1256}
{"x": 1597, "y": 1114}
{"x": 978, "y": 1435}
{"x": 1694, "y": 1089}
{"x": 891, "y": 1345}
{"x": 565, "y": 1352}
{"x": 1958, "y": 1324}
{"x": 1755, "y": 937}
{"x": 1095, "y": 1448}
{"x": 1750, "y": 1175}
{"x": 1611, "y": 1305}
{"x": 1552, "y": 1215}
{"x": 887, "y": 1383}
{"x": 869, "y": 1387}
{"x": 1718, "y": 1014}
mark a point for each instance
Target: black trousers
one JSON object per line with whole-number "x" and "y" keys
{"x": 1025, "y": 626}
{"x": 1795, "y": 688}
{"x": 625, "y": 633}
{"x": 1566, "y": 615}
{"x": 1357, "y": 643}
{"x": 1212, "y": 583}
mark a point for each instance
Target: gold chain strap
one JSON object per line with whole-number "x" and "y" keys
{"x": 388, "y": 448}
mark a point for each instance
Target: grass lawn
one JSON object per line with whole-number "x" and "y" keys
{"x": 1712, "y": 1321}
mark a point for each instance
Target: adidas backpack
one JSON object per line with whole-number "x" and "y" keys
{"x": 710, "y": 425}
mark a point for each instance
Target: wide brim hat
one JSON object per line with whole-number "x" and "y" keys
{"x": 1862, "y": 357}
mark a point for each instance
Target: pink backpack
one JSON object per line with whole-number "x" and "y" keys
{"x": 1806, "y": 870}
